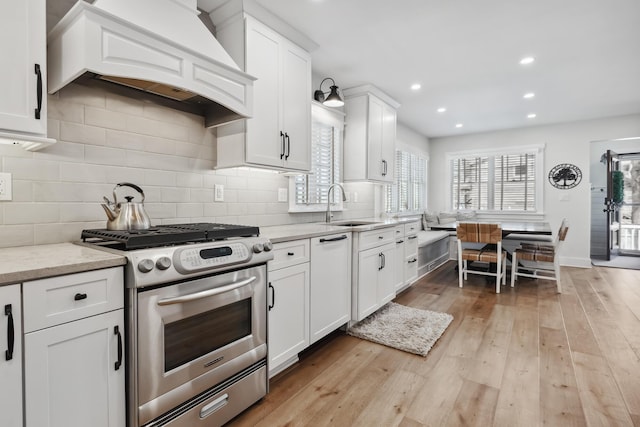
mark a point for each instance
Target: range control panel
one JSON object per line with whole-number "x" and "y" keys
{"x": 148, "y": 267}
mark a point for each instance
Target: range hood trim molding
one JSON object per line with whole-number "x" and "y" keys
{"x": 91, "y": 41}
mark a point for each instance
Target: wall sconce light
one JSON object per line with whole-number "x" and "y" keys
{"x": 333, "y": 100}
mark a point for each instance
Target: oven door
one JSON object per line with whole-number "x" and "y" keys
{"x": 193, "y": 335}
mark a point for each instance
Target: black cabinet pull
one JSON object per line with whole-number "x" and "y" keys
{"x": 116, "y": 331}
{"x": 380, "y": 267}
{"x": 412, "y": 237}
{"x": 286, "y": 136}
{"x": 281, "y": 145}
{"x": 273, "y": 296}
{"x": 412, "y": 261}
{"x": 384, "y": 168}
{"x": 8, "y": 354}
{"x": 333, "y": 239}
{"x": 400, "y": 241}
{"x": 39, "y": 90}
{"x": 290, "y": 253}
{"x": 79, "y": 297}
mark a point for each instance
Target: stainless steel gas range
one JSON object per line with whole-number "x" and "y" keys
{"x": 197, "y": 321}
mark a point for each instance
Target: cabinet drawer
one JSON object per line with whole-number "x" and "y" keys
{"x": 411, "y": 246}
{"x": 56, "y": 300}
{"x": 289, "y": 253}
{"x": 398, "y": 232}
{"x": 411, "y": 228}
{"x": 373, "y": 238}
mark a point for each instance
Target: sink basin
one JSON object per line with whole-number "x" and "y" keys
{"x": 352, "y": 223}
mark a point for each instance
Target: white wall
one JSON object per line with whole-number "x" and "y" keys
{"x": 104, "y": 139}
{"x": 564, "y": 143}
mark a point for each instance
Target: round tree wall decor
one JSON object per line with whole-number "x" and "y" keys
{"x": 565, "y": 176}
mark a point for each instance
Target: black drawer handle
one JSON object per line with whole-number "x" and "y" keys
{"x": 412, "y": 261}
{"x": 8, "y": 354}
{"x": 39, "y": 91}
{"x": 290, "y": 253}
{"x": 412, "y": 237}
{"x": 400, "y": 241}
{"x": 273, "y": 297}
{"x": 282, "y": 146}
{"x": 334, "y": 239}
{"x": 79, "y": 297}
{"x": 380, "y": 237}
{"x": 116, "y": 331}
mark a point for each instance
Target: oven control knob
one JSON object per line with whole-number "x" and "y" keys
{"x": 145, "y": 266}
{"x": 267, "y": 246}
{"x": 163, "y": 263}
{"x": 258, "y": 247}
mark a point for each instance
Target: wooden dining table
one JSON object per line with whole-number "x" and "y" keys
{"x": 530, "y": 228}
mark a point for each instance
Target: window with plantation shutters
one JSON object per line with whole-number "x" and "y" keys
{"x": 310, "y": 190}
{"x": 408, "y": 192}
{"x": 496, "y": 182}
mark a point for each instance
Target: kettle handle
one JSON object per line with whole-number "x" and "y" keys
{"x": 127, "y": 184}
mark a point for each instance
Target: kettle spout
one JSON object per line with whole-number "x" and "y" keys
{"x": 110, "y": 214}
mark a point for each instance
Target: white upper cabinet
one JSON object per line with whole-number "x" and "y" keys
{"x": 23, "y": 73}
{"x": 279, "y": 134}
{"x": 370, "y": 135}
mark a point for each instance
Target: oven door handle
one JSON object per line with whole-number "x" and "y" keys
{"x": 208, "y": 293}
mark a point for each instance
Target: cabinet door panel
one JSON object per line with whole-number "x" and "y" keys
{"x": 22, "y": 31}
{"x": 288, "y": 313}
{"x": 369, "y": 263}
{"x": 386, "y": 276}
{"x": 296, "y": 106}
{"x": 10, "y": 370}
{"x": 70, "y": 375}
{"x": 264, "y": 144}
{"x": 374, "y": 149}
{"x": 330, "y": 305}
{"x": 388, "y": 142}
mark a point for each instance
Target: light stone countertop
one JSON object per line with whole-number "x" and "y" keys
{"x": 285, "y": 233}
{"x": 24, "y": 263}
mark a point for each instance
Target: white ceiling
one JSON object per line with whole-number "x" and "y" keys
{"x": 466, "y": 54}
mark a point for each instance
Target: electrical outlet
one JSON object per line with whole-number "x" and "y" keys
{"x": 282, "y": 194}
{"x": 5, "y": 186}
{"x": 218, "y": 193}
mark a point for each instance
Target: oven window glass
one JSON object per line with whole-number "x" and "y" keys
{"x": 187, "y": 339}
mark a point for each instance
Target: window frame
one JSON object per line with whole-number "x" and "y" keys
{"x": 537, "y": 150}
{"x": 334, "y": 118}
{"x": 410, "y": 181}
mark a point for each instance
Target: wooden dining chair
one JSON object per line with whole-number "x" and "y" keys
{"x": 539, "y": 260}
{"x": 491, "y": 236}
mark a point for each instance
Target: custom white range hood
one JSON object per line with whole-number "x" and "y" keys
{"x": 149, "y": 49}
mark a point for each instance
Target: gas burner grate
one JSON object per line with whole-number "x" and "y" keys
{"x": 170, "y": 234}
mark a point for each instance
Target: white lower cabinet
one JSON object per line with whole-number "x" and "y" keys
{"x": 288, "y": 300}
{"x": 330, "y": 299}
{"x": 72, "y": 375}
{"x": 74, "y": 372}
{"x": 10, "y": 357}
{"x": 376, "y": 274}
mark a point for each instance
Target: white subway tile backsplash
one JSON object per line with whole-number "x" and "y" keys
{"x": 105, "y": 155}
{"x": 159, "y": 128}
{"x": 189, "y": 210}
{"x": 107, "y": 119}
{"x": 73, "y": 132}
{"x": 31, "y": 213}
{"x": 104, "y": 139}
{"x": 78, "y": 212}
{"x": 31, "y": 169}
{"x": 16, "y": 235}
{"x": 83, "y": 172}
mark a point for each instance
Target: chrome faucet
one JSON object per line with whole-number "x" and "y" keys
{"x": 344, "y": 199}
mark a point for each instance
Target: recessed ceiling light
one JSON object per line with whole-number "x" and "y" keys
{"x": 416, "y": 86}
{"x": 459, "y": 125}
{"x": 531, "y": 116}
{"x": 527, "y": 60}
{"x": 441, "y": 110}
{"x": 529, "y": 95}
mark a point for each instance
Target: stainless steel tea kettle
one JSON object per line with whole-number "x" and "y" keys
{"x": 126, "y": 215}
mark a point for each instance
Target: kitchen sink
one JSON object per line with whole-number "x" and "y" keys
{"x": 352, "y": 223}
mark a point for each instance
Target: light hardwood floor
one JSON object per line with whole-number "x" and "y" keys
{"x": 525, "y": 357}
